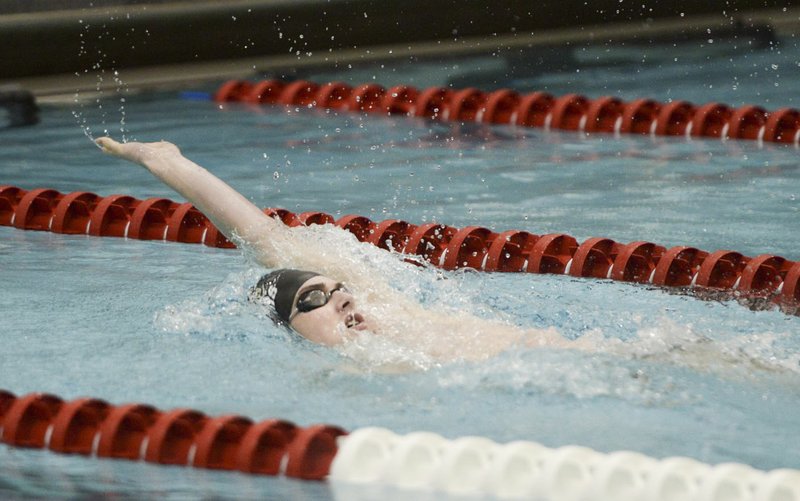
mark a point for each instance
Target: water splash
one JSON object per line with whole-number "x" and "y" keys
{"x": 221, "y": 313}
{"x": 91, "y": 107}
{"x": 625, "y": 350}
{"x": 662, "y": 340}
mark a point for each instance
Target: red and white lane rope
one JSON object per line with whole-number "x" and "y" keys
{"x": 765, "y": 276}
{"x": 416, "y": 461}
{"x": 537, "y": 109}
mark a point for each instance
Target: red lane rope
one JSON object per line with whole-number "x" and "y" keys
{"x": 186, "y": 437}
{"x": 538, "y": 109}
{"x": 764, "y": 276}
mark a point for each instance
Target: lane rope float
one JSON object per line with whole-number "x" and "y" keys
{"x": 764, "y": 277}
{"x": 185, "y": 437}
{"x": 417, "y": 461}
{"x": 607, "y": 114}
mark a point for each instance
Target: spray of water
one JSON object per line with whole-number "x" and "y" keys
{"x": 92, "y": 111}
{"x": 596, "y": 363}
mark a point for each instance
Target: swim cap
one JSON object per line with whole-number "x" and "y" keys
{"x": 280, "y": 288}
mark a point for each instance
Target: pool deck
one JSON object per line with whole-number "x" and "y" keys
{"x": 54, "y": 53}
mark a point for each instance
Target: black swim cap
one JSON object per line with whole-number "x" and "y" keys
{"x": 280, "y": 287}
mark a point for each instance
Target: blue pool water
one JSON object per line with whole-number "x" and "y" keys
{"x": 167, "y": 324}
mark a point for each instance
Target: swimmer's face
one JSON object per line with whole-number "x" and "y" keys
{"x": 330, "y": 323}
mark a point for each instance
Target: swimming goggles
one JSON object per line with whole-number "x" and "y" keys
{"x": 316, "y": 298}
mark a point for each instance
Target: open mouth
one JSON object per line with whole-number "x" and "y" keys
{"x": 355, "y": 321}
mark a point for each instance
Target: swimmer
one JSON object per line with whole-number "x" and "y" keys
{"x": 315, "y": 288}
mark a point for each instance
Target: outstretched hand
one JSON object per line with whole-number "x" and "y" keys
{"x": 140, "y": 153}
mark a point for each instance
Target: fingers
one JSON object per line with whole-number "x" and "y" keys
{"x": 133, "y": 152}
{"x": 107, "y": 144}
{"x": 140, "y": 153}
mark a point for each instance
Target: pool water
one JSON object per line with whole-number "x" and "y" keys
{"x": 168, "y": 324}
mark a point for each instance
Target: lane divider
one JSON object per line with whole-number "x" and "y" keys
{"x": 368, "y": 456}
{"x": 476, "y": 466}
{"x": 766, "y": 276}
{"x": 184, "y": 437}
{"x": 576, "y": 112}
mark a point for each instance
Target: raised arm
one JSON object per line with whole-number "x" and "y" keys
{"x": 234, "y": 215}
{"x": 460, "y": 335}
{"x": 269, "y": 241}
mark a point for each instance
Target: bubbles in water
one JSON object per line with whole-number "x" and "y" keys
{"x": 375, "y": 353}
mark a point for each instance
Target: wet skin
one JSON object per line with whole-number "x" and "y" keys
{"x": 333, "y": 322}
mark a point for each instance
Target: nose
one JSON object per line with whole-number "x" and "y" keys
{"x": 344, "y": 300}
